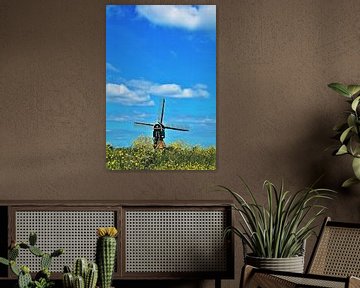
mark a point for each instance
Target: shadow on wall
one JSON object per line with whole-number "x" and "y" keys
{"x": 335, "y": 170}
{"x": 310, "y": 155}
{"x": 310, "y": 159}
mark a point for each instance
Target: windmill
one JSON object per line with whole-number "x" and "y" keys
{"x": 159, "y": 129}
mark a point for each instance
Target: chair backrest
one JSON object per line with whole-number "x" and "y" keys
{"x": 337, "y": 251}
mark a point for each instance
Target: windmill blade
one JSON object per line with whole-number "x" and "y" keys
{"x": 162, "y": 111}
{"x": 174, "y": 128}
{"x": 142, "y": 123}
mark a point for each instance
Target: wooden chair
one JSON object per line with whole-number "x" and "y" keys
{"x": 335, "y": 262}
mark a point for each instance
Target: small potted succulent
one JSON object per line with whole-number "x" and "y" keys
{"x": 348, "y": 133}
{"x": 87, "y": 274}
{"x": 84, "y": 274}
{"x": 275, "y": 233}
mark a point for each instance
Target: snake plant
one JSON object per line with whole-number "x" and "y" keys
{"x": 279, "y": 228}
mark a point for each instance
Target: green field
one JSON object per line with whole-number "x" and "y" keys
{"x": 177, "y": 156}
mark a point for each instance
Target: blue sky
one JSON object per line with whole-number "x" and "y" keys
{"x": 155, "y": 52}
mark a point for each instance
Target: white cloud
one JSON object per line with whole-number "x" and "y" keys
{"x": 121, "y": 118}
{"x": 126, "y": 118}
{"x": 121, "y": 94}
{"x": 138, "y": 115}
{"x": 176, "y": 91}
{"x": 201, "y": 17}
{"x": 165, "y": 90}
{"x": 139, "y": 84}
{"x": 111, "y": 67}
{"x": 202, "y": 121}
{"x": 137, "y": 92}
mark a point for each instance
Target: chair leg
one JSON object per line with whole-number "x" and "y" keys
{"x": 217, "y": 283}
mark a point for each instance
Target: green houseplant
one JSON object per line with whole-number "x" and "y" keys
{"x": 42, "y": 278}
{"x": 106, "y": 254}
{"x": 275, "y": 233}
{"x": 348, "y": 132}
{"x": 84, "y": 274}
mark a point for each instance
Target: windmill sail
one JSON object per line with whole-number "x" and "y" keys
{"x": 162, "y": 111}
{"x": 174, "y": 128}
{"x": 159, "y": 129}
{"x": 142, "y": 123}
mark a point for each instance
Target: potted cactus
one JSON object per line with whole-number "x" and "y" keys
{"x": 85, "y": 275}
{"x": 106, "y": 254}
{"x": 42, "y": 278}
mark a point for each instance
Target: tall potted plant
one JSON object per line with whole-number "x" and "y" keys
{"x": 348, "y": 132}
{"x": 275, "y": 233}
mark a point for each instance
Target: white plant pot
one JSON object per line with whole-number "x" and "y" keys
{"x": 291, "y": 264}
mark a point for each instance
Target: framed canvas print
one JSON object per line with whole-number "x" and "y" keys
{"x": 161, "y": 87}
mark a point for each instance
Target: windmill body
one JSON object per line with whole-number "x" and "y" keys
{"x": 159, "y": 129}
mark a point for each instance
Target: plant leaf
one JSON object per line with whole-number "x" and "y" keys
{"x": 351, "y": 120}
{"x": 345, "y": 134}
{"x": 4, "y": 261}
{"x": 340, "y": 88}
{"x": 342, "y": 150}
{"x": 354, "y": 144}
{"x": 349, "y": 182}
{"x": 355, "y": 103}
{"x": 353, "y": 89}
{"x": 14, "y": 268}
{"x": 356, "y": 167}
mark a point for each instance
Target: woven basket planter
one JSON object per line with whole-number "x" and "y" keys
{"x": 291, "y": 264}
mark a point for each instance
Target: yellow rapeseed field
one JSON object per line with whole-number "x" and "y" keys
{"x": 177, "y": 156}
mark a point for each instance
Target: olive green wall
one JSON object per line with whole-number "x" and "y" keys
{"x": 275, "y": 113}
